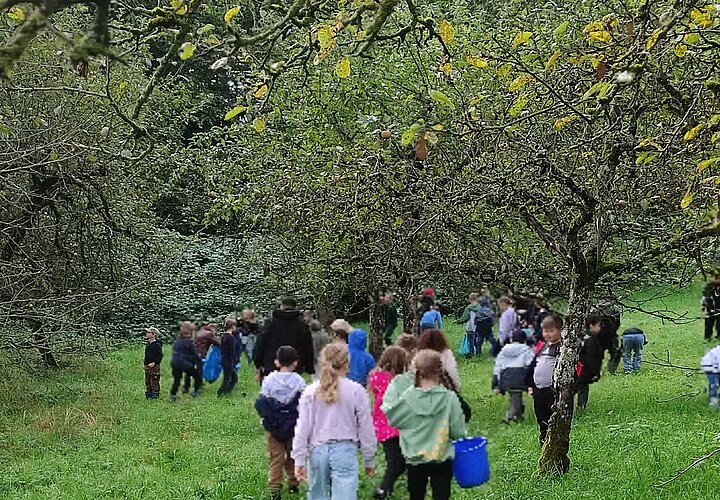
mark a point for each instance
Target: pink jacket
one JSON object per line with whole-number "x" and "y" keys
{"x": 378, "y": 384}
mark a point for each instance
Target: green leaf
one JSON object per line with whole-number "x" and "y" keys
{"x": 561, "y": 29}
{"x": 438, "y": 96}
{"x": 259, "y": 125}
{"x": 408, "y": 136}
{"x": 16, "y": 14}
{"x": 342, "y": 69}
{"x": 205, "y": 29}
{"x": 521, "y": 38}
{"x": 234, "y": 112}
{"x": 687, "y": 200}
{"x": 519, "y": 105}
{"x": 187, "y": 50}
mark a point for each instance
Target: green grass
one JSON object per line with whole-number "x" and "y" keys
{"x": 89, "y": 432}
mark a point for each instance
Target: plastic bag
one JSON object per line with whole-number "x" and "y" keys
{"x": 212, "y": 368}
{"x": 465, "y": 346}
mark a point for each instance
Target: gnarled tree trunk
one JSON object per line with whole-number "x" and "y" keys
{"x": 376, "y": 325}
{"x": 554, "y": 457}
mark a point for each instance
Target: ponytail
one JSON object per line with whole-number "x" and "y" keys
{"x": 334, "y": 361}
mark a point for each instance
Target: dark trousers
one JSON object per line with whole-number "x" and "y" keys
{"x": 543, "y": 400}
{"x": 388, "y": 331}
{"x": 230, "y": 378}
{"x": 516, "y": 408}
{"x": 609, "y": 342}
{"x": 440, "y": 475}
{"x": 583, "y": 394}
{"x": 483, "y": 334}
{"x": 395, "y": 463}
{"x": 710, "y": 322}
{"x": 152, "y": 382}
{"x": 178, "y": 373}
{"x": 188, "y": 377}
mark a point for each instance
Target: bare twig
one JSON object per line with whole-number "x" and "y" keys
{"x": 695, "y": 463}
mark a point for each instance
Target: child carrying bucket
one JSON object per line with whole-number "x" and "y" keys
{"x": 429, "y": 417}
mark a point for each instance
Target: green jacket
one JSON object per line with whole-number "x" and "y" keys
{"x": 398, "y": 385}
{"x": 466, "y": 312}
{"x": 428, "y": 421}
{"x": 390, "y": 314}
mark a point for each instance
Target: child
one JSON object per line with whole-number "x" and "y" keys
{"x": 320, "y": 339}
{"x": 277, "y": 405}
{"x": 633, "y": 340}
{"x": 248, "y": 329}
{"x": 341, "y": 330}
{"x": 393, "y": 362}
{"x": 591, "y": 356}
{"x": 408, "y": 342}
{"x": 228, "y": 357}
{"x": 151, "y": 363}
{"x": 334, "y": 420}
{"x": 428, "y": 417}
{"x": 711, "y": 366}
{"x": 431, "y": 319}
{"x": 711, "y": 305}
{"x": 545, "y": 360}
{"x": 361, "y": 362}
{"x": 508, "y": 320}
{"x": 185, "y": 360}
{"x": 469, "y": 314}
{"x": 509, "y": 374}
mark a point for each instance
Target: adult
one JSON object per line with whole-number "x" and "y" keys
{"x": 284, "y": 327}
{"x": 711, "y": 305}
{"x": 340, "y": 329}
{"x": 508, "y": 320}
{"x": 425, "y": 303}
{"x": 608, "y": 337}
{"x": 390, "y": 317}
{"x": 435, "y": 340}
{"x": 248, "y": 330}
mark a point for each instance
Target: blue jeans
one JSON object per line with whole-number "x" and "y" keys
{"x": 713, "y": 383}
{"x": 248, "y": 346}
{"x": 333, "y": 472}
{"x": 472, "y": 340}
{"x": 632, "y": 346}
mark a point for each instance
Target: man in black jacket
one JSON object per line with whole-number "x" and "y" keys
{"x": 285, "y": 327}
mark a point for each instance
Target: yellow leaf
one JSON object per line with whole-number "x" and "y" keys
{"x": 519, "y": 105}
{"x": 447, "y": 32}
{"x": 690, "y": 134}
{"x": 234, "y": 112}
{"x": 707, "y": 163}
{"x": 681, "y": 50}
{"x": 560, "y": 30}
{"x": 212, "y": 40}
{"x": 521, "y": 38}
{"x": 701, "y": 19}
{"x": 595, "y": 26}
{"x": 560, "y": 123}
{"x": 476, "y": 61}
{"x": 16, "y": 14}
{"x": 179, "y": 7}
{"x": 326, "y": 36}
{"x": 687, "y": 200}
{"x": 519, "y": 82}
{"x": 553, "y": 59}
{"x": 342, "y": 69}
{"x": 600, "y": 36}
{"x": 653, "y": 38}
{"x": 446, "y": 68}
{"x": 231, "y": 13}
{"x": 187, "y": 50}
{"x": 503, "y": 70}
{"x": 438, "y": 127}
{"x": 259, "y": 124}
{"x": 261, "y": 91}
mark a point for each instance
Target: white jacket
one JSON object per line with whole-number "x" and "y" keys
{"x": 710, "y": 363}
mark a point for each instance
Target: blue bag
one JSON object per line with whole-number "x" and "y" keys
{"x": 211, "y": 367}
{"x": 465, "y": 346}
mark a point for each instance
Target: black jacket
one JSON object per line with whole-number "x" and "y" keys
{"x": 591, "y": 356}
{"x": 277, "y": 418}
{"x": 285, "y": 327}
{"x": 185, "y": 356}
{"x": 227, "y": 349}
{"x": 153, "y": 353}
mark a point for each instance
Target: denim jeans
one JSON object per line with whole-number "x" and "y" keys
{"x": 248, "y": 345}
{"x": 632, "y": 346}
{"x": 713, "y": 383}
{"x": 333, "y": 472}
{"x": 472, "y": 340}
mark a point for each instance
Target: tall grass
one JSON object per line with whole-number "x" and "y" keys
{"x": 89, "y": 433}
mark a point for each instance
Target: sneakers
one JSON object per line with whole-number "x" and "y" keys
{"x": 714, "y": 403}
{"x": 195, "y": 394}
{"x": 379, "y": 493}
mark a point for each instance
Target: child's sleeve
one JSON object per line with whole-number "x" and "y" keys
{"x": 301, "y": 440}
{"x": 366, "y": 432}
{"x": 439, "y": 318}
{"x": 458, "y": 429}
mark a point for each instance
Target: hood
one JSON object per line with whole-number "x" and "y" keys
{"x": 283, "y": 387}
{"x": 429, "y": 402}
{"x": 357, "y": 340}
{"x": 286, "y": 314}
{"x": 474, "y": 307}
{"x": 515, "y": 349}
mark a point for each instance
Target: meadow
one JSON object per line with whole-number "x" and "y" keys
{"x": 89, "y": 433}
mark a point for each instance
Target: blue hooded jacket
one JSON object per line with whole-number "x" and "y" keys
{"x": 361, "y": 362}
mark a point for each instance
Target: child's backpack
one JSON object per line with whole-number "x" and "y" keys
{"x": 212, "y": 368}
{"x": 484, "y": 320}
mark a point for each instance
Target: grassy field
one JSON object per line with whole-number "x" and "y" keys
{"x": 89, "y": 433}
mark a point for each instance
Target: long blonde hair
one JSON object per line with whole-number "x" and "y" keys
{"x": 334, "y": 361}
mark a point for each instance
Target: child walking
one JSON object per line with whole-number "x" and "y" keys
{"x": 334, "y": 421}
{"x": 710, "y": 364}
{"x": 393, "y": 362}
{"x": 361, "y": 361}
{"x": 277, "y": 405}
{"x": 591, "y": 356}
{"x": 545, "y": 360}
{"x": 428, "y": 417}
{"x": 185, "y": 360}
{"x": 228, "y": 357}
{"x": 510, "y": 373}
{"x": 151, "y": 363}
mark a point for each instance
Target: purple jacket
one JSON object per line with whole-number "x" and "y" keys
{"x": 348, "y": 419}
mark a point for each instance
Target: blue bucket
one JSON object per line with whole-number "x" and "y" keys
{"x": 471, "y": 466}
